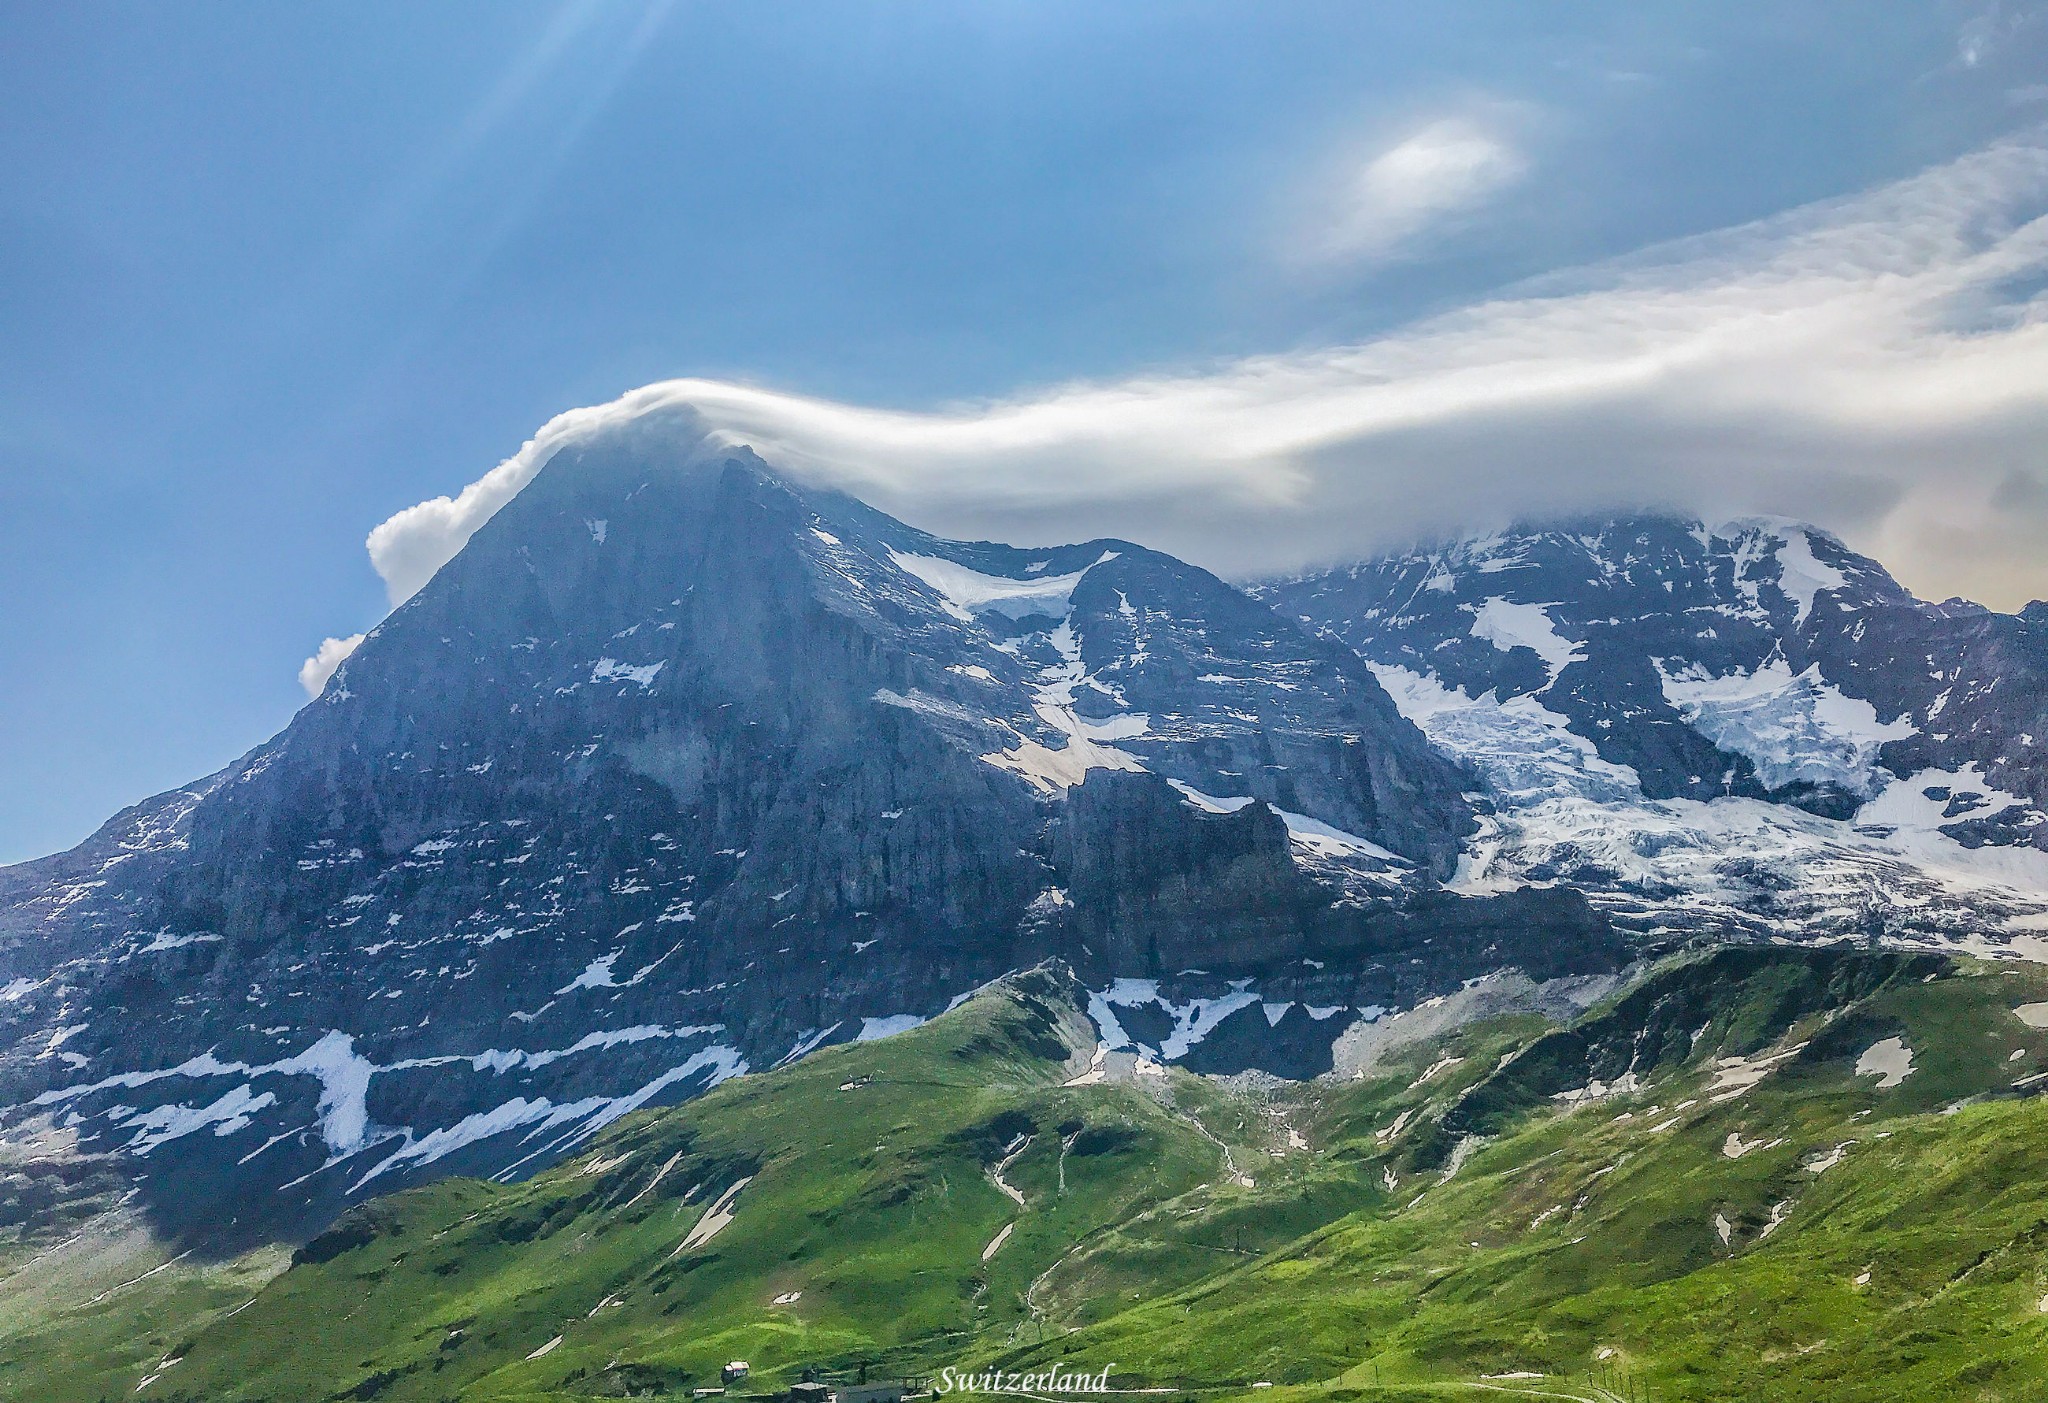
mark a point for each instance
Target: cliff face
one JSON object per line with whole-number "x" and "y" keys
{"x": 1745, "y": 727}
{"x": 1624, "y": 626}
{"x": 681, "y": 769}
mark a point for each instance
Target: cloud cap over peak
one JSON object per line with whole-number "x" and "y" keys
{"x": 1877, "y": 364}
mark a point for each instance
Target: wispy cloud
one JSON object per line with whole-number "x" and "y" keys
{"x": 1878, "y": 364}
{"x": 1379, "y": 208}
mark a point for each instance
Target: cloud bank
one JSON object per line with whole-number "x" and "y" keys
{"x": 1877, "y": 364}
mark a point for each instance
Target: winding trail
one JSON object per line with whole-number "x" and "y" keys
{"x": 1531, "y": 1392}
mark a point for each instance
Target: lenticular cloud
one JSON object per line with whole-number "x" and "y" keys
{"x": 1877, "y": 364}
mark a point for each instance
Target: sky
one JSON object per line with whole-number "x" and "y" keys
{"x": 1262, "y": 285}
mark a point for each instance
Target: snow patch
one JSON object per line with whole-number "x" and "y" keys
{"x": 1310, "y": 834}
{"x": 1889, "y": 1060}
{"x": 1735, "y": 1147}
{"x": 1209, "y": 803}
{"x": 582, "y": 1118}
{"x": 807, "y": 1042}
{"x": 874, "y": 1028}
{"x": 1320, "y": 838}
{"x": 1825, "y": 1160}
{"x": 612, "y": 670}
{"x": 1801, "y": 576}
{"x": 227, "y": 1115}
{"x": 715, "y": 1218}
{"x": 1507, "y": 626}
{"x": 164, "y": 940}
{"x": 1791, "y": 728}
{"x": 1087, "y": 746}
{"x": 1911, "y": 820}
{"x": 966, "y": 592}
{"x": 1734, "y": 1076}
{"x": 344, "y": 1078}
{"x": 1597, "y": 1090}
{"x": 1192, "y": 1021}
{"x": 596, "y": 975}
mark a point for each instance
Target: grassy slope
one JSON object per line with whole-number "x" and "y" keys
{"x": 869, "y": 1195}
{"x": 91, "y": 1319}
{"x": 1594, "y": 1231}
{"x": 1352, "y": 1269}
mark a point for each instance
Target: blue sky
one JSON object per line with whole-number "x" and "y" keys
{"x": 271, "y": 274}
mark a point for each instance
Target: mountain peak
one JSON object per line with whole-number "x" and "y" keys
{"x": 681, "y": 767}
{"x": 1625, "y": 687}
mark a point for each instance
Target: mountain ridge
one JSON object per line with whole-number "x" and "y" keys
{"x": 1779, "y": 1173}
{"x": 679, "y": 770}
{"x": 1746, "y": 728}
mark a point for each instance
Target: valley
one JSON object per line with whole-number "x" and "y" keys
{"x": 1698, "y": 1187}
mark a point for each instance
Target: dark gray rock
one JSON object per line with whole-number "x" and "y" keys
{"x": 1641, "y": 597}
{"x": 680, "y": 768}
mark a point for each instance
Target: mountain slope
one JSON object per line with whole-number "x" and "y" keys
{"x": 1745, "y": 726}
{"x": 1767, "y": 1173}
{"x": 680, "y": 770}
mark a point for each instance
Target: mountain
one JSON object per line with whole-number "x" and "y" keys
{"x": 682, "y": 769}
{"x": 746, "y": 926}
{"x": 1745, "y": 728}
{"x": 1792, "y": 1175}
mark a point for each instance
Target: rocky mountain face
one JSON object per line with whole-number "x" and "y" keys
{"x": 1745, "y": 726}
{"x": 680, "y": 770}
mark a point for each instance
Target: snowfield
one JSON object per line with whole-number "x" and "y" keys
{"x": 1564, "y": 814}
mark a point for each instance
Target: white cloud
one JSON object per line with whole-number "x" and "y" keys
{"x": 1376, "y": 210}
{"x": 1878, "y": 364}
{"x": 314, "y": 671}
{"x": 1980, "y": 35}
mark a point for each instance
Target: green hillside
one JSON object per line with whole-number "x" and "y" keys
{"x": 1690, "y": 1193}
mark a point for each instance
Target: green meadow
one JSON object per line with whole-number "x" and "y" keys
{"x": 1692, "y": 1192}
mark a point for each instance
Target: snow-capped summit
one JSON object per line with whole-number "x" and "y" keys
{"x": 1747, "y": 717}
